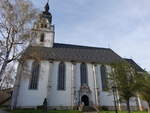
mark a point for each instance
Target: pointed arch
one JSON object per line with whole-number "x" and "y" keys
{"x": 61, "y": 76}
{"x": 83, "y": 73}
{"x": 34, "y": 75}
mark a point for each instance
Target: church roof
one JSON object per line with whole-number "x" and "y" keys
{"x": 136, "y": 66}
{"x": 67, "y": 52}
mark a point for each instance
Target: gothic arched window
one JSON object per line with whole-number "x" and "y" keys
{"x": 34, "y": 75}
{"x": 104, "y": 78}
{"x": 42, "y": 37}
{"x": 61, "y": 76}
{"x": 83, "y": 73}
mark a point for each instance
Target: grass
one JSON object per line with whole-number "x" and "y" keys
{"x": 122, "y": 112}
{"x": 3, "y": 106}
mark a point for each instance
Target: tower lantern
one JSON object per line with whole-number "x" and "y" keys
{"x": 43, "y": 30}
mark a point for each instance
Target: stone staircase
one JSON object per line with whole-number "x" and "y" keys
{"x": 88, "y": 109}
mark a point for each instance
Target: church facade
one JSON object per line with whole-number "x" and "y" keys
{"x": 66, "y": 75}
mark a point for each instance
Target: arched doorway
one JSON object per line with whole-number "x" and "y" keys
{"x": 85, "y": 100}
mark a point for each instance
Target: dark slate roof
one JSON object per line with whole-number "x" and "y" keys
{"x": 136, "y": 66}
{"x": 67, "y": 52}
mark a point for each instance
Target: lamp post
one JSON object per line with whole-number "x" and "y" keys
{"x": 114, "y": 90}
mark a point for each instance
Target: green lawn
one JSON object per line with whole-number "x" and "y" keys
{"x": 122, "y": 112}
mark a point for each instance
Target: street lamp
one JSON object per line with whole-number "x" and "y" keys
{"x": 114, "y": 90}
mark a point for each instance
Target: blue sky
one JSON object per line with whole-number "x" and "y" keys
{"x": 122, "y": 25}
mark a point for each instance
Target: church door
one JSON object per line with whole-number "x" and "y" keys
{"x": 85, "y": 100}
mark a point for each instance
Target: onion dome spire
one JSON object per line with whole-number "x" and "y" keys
{"x": 47, "y": 7}
{"x": 46, "y": 13}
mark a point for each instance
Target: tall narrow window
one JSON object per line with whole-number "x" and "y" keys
{"x": 104, "y": 78}
{"x": 35, "y": 75}
{"x": 61, "y": 76}
{"x": 42, "y": 37}
{"x": 83, "y": 73}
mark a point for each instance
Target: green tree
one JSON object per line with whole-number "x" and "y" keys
{"x": 143, "y": 83}
{"x": 123, "y": 78}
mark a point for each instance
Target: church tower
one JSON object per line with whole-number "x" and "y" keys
{"x": 43, "y": 30}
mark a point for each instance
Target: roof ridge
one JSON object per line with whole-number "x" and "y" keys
{"x": 83, "y": 46}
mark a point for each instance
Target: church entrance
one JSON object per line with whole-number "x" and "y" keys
{"x": 85, "y": 100}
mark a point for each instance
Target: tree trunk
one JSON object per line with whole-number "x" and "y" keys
{"x": 128, "y": 106}
{"x": 148, "y": 107}
{"x": 3, "y": 70}
{"x": 4, "y": 65}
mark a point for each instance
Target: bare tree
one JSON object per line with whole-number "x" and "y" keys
{"x": 16, "y": 18}
{"x": 9, "y": 77}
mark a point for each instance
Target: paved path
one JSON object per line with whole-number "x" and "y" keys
{"x": 2, "y": 111}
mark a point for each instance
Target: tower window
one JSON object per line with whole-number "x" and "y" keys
{"x": 42, "y": 25}
{"x": 42, "y": 37}
{"x": 45, "y": 25}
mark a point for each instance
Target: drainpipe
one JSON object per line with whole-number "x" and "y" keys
{"x": 140, "y": 103}
{"x": 118, "y": 100}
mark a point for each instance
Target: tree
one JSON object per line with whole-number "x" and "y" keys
{"x": 9, "y": 78}
{"x": 16, "y": 17}
{"x": 143, "y": 83}
{"x": 123, "y": 78}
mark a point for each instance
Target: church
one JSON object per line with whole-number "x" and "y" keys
{"x": 64, "y": 74}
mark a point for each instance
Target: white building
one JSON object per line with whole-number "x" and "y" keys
{"x": 66, "y": 75}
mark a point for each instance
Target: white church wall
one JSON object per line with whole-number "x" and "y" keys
{"x": 28, "y": 97}
{"x": 144, "y": 104}
{"x": 91, "y": 82}
{"x": 48, "y": 37}
{"x": 49, "y": 70}
{"x": 98, "y": 79}
{"x": 77, "y": 77}
{"x": 77, "y": 82}
{"x": 106, "y": 98}
{"x": 60, "y": 97}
